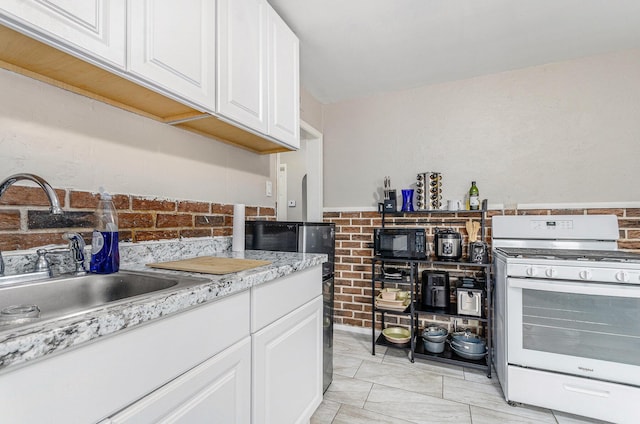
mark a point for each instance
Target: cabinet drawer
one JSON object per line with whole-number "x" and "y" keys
{"x": 220, "y": 387}
{"x": 275, "y": 299}
{"x": 591, "y": 398}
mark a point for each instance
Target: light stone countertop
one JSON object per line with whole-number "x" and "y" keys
{"x": 19, "y": 346}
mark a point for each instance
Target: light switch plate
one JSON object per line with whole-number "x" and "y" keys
{"x": 291, "y": 203}
{"x": 268, "y": 188}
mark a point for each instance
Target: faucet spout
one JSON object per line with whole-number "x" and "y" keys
{"x": 49, "y": 191}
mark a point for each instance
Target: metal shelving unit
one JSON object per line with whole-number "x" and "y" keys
{"x": 413, "y": 311}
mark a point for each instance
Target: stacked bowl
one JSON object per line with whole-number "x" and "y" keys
{"x": 433, "y": 338}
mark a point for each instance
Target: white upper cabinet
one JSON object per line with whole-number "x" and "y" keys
{"x": 241, "y": 62}
{"x": 234, "y": 61}
{"x": 284, "y": 81}
{"x": 172, "y": 45}
{"x": 90, "y": 29}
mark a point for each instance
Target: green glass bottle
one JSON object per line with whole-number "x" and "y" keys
{"x": 474, "y": 197}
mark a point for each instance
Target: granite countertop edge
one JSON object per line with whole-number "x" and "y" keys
{"x": 23, "y": 345}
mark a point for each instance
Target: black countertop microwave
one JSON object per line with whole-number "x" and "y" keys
{"x": 409, "y": 243}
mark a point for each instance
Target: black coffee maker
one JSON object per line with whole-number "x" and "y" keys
{"x": 435, "y": 290}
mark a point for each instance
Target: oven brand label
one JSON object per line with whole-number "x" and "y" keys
{"x": 585, "y": 369}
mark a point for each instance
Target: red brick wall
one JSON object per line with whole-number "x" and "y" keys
{"x": 354, "y": 234}
{"x": 25, "y": 221}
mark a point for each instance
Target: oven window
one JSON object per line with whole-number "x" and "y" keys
{"x": 597, "y": 327}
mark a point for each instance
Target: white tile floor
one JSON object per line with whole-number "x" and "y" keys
{"x": 388, "y": 388}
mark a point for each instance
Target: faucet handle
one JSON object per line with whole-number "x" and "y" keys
{"x": 76, "y": 245}
{"x": 42, "y": 263}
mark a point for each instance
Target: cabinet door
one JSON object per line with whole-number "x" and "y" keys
{"x": 241, "y": 62}
{"x": 172, "y": 45}
{"x": 89, "y": 29}
{"x": 284, "y": 81}
{"x": 287, "y": 367}
{"x": 218, "y": 390}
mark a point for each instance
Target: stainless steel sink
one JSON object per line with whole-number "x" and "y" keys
{"x": 57, "y": 297}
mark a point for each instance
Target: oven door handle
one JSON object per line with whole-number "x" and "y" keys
{"x": 603, "y": 289}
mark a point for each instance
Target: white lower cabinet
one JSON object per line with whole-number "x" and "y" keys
{"x": 97, "y": 380}
{"x": 217, "y": 390}
{"x": 286, "y": 332}
{"x": 250, "y": 357}
{"x": 287, "y": 367}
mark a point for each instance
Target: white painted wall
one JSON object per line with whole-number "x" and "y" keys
{"x": 562, "y": 132}
{"x": 296, "y": 170}
{"x": 307, "y": 161}
{"x": 75, "y": 142}
{"x": 310, "y": 109}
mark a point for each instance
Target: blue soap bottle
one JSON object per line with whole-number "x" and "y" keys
{"x": 105, "y": 256}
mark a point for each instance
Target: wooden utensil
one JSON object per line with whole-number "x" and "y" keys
{"x": 472, "y": 230}
{"x": 469, "y": 226}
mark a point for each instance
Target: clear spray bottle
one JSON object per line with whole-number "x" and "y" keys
{"x": 105, "y": 255}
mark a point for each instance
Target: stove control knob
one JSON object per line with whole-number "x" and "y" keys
{"x": 585, "y": 274}
{"x": 531, "y": 271}
{"x": 550, "y": 272}
{"x": 622, "y": 276}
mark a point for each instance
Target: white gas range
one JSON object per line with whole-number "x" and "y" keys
{"x": 567, "y": 315}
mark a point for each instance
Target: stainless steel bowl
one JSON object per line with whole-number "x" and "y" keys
{"x": 433, "y": 347}
{"x": 434, "y": 333}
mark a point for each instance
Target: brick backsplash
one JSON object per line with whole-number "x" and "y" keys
{"x": 354, "y": 235}
{"x": 26, "y": 223}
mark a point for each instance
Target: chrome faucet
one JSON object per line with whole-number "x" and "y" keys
{"x": 49, "y": 191}
{"x": 76, "y": 247}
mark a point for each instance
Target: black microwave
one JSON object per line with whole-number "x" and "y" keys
{"x": 409, "y": 243}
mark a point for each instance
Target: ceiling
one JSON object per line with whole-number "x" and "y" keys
{"x": 357, "y": 48}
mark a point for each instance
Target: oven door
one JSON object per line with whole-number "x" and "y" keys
{"x": 585, "y": 329}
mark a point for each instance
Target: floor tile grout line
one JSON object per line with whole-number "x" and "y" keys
{"x": 414, "y": 392}
{"x": 357, "y": 351}
{"x": 380, "y": 413}
{"x": 468, "y": 405}
{"x": 337, "y": 412}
